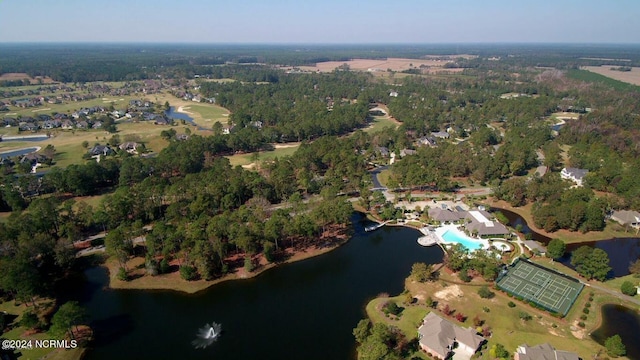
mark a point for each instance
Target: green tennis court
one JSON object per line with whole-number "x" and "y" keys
{"x": 532, "y": 282}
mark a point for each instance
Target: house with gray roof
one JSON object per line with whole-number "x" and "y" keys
{"x": 440, "y": 337}
{"x": 440, "y": 134}
{"x": 445, "y": 215}
{"x": 574, "y": 174}
{"x": 543, "y": 352}
{"x": 482, "y": 224}
{"x": 626, "y": 217}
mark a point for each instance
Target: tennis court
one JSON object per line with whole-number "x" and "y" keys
{"x": 553, "y": 291}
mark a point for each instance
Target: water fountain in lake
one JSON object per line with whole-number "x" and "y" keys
{"x": 207, "y": 335}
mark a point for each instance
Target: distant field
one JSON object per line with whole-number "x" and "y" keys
{"x": 247, "y": 159}
{"x": 588, "y": 76}
{"x": 631, "y": 77}
{"x": 395, "y": 64}
{"x": 23, "y": 76}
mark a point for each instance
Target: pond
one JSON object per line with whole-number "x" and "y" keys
{"x": 622, "y": 251}
{"x": 174, "y": 114}
{"x": 302, "y": 310}
{"x": 31, "y": 138}
{"x": 620, "y": 320}
{"x": 18, "y": 152}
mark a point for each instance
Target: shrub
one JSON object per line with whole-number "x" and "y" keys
{"x": 122, "y": 274}
{"x": 447, "y": 310}
{"x": 628, "y": 288}
{"x": 511, "y": 304}
{"x": 164, "y": 266}
{"x": 486, "y": 309}
{"x": 390, "y": 307}
{"x": 485, "y": 293}
{"x": 248, "y": 264}
{"x": 524, "y": 316}
{"x": 460, "y": 317}
{"x": 587, "y": 305}
{"x": 429, "y": 302}
{"x": 583, "y": 317}
{"x": 581, "y": 324}
{"x": 188, "y": 272}
{"x": 29, "y": 320}
{"x": 585, "y": 310}
{"x": 477, "y": 322}
{"x": 464, "y": 276}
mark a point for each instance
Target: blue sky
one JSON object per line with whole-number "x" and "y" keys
{"x": 324, "y": 21}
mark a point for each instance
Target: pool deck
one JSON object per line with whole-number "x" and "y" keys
{"x": 433, "y": 237}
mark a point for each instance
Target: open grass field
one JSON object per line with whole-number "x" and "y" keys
{"x": 506, "y": 326}
{"x": 545, "y": 288}
{"x": 631, "y": 77}
{"x": 588, "y": 76}
{"x": 380, "y": 65}
{"x": 250, "y": 158}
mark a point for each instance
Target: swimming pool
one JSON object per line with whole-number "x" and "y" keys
{"x": 453, "y": 237}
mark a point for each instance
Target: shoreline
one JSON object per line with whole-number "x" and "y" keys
{"x": 174, "y": 282}
{"x": 569, "y": 237}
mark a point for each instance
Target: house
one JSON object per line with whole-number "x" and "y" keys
{"x": 542, "y": 352}
{"x": 407, "y": 152}
{"x": 67, "y": 125}
{"x": 479, "y": 223}
{"x": 439, "y": 337}
{"x": 574, "y": 174}
{"x": 162, "y": 120}
{"x": 227, "y": 129}
{"x": 626, "y": 217}
{"x": 383, "y": 151}
{"x": 393, "y": 94}
{"x": 82, "y": 125}
{"x": 445, "y": 215}
{"x": 101, "y": 150}
{"x": 97, "y": 125}
{"x": 130, "y": 147}
{"x": 440, "y": 134}
{"x": 426, "y": 141}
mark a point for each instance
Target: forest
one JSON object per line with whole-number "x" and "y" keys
{"x": 194, "y": 208}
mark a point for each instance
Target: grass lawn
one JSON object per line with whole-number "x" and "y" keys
{"x": 506, "y": 326}
{"x": 383, "y": 177}
{"x": 379, "y": 123}
{"x": 246, "y": 159}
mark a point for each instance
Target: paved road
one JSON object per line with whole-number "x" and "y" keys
{"x": 617, "y": 294}
{"x": 374, "y": 177}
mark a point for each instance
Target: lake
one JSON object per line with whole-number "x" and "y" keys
{"x": 304, "y": 310}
